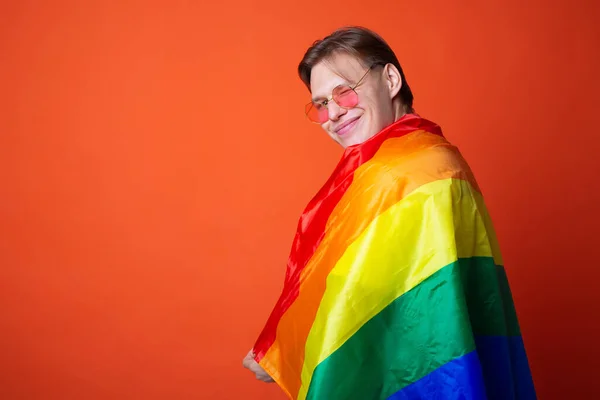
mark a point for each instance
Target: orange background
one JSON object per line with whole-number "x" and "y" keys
{"x": 154, "y": 160}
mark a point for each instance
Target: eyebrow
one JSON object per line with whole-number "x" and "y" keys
{"x": 322, "y": 97}
{"x": 344, "y": 82}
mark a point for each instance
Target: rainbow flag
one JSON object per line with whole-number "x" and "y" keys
{"x": 395, "y": 286}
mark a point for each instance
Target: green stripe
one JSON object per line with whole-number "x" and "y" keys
{"x": 510, "y": 312}
{"x": 420, "y": 331}
{"x": 489, "y": 300}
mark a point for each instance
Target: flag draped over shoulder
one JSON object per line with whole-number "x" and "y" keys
{"x": 395, "y": 286}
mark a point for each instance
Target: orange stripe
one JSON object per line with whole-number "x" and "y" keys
{"x": 402, "y": 164}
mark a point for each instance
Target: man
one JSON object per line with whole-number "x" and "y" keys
{"x": 395, "y": 286}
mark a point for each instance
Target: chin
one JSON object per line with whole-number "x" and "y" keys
{"x": 353, "y": 139}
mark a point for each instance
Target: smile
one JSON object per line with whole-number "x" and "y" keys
{"x": 346, "y": 127}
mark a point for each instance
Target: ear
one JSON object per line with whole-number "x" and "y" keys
{"x": 393, "y": 79}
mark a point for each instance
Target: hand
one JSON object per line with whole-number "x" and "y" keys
{"x": 255, "y": 368}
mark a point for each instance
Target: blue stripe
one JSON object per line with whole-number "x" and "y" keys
{"x": 505, "y": 368}
{"x": 460, "y": 379}
{"x": 497, "y": 370}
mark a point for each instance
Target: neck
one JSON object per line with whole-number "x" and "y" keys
{"x": 399, "y": 113}
{"x": 400, "y": 110}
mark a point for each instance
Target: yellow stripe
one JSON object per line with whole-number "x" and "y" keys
{"x": 432, "y": 227}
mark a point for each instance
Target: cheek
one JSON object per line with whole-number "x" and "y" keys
{"x": 326, "y": 127}
{"x": 377, "y": 108}
{"x": 368, "y": 103}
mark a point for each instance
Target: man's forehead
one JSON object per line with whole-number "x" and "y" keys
{"x": 334, "y": 71}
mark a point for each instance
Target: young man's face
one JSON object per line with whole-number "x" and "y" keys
{"x": 374, "y": 108}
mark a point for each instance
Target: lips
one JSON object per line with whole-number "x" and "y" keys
{"x": 346, "y": 126}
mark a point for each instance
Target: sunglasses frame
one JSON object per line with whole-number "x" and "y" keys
{"x": 329, "y": 99}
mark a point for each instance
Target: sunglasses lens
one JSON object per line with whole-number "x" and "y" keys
{"x": 345, "y": 97}
{"x": 317, "y": 113}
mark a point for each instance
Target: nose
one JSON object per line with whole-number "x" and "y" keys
{"x": 335, "y": 111}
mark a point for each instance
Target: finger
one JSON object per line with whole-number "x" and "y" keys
{"x": 248, "y": 363}
{"x": 255, "y": 368}
{"x": 249, "y": 356}
{"x": 263, "y": 376}
{"x": 259, "y": 371}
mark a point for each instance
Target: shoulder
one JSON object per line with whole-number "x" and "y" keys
{"x": 415, "y": 159}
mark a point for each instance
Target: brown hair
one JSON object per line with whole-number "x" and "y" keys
{"x": 367, "y": 45}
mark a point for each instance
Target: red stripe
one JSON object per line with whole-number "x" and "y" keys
{"x": 311, "y": 227}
